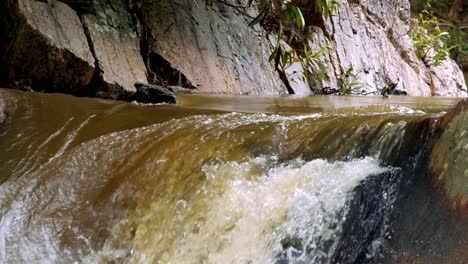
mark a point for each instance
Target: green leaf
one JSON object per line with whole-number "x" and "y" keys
{"x": 273, "y": 55}
{"x": 259, "y": 18}
{"x": 300, "y": 21}
{"x": 320, "y": 52}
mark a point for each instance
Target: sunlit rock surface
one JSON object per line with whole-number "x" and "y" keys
{"x": 372, "y": 37}
{"x": 211, "y": 43}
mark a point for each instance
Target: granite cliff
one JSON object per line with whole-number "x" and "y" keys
{"x": 103, "y": 48}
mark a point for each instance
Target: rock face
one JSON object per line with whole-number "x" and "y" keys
{"x": 47, "y": 45}
{"x": 211, "y": 44}
{"x": 3, "y": 115}
{"x": 115, "y": 43}
{"x": 371, "y": 36}
{"x": 44, "y": 46}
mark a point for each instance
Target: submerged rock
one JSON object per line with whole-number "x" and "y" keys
{"x": 43, "y": 44}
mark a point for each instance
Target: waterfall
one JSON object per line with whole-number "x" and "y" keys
{"x": 207, "y": 186}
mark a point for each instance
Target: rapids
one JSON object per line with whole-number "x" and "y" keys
{"x": 286, "y": 180}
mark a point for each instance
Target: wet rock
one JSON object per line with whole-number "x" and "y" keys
{"x": 368, "y": 219}
{"x": 449, "y": 158}
{"x": 328, "y": 91}
{"x": 367, "y": 216}
{"x": 148, "y": 93}
{"x": 211, "y": 44}
{"x": 430, "y": 220}
{"x": 114, "y": 41}
{"x": 45, "y": 44}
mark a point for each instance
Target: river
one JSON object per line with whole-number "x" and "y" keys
{"x": 223, "y": 179}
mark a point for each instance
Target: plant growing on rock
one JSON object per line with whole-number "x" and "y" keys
{"x": 347, "y": 82}
{"x": 429, "y": 40}
{"x": 287, "y": 19}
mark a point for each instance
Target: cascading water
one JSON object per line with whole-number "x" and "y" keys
{"x": 209, "y": 187}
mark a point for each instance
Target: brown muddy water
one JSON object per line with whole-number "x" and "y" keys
{"x": 222, "y": 179}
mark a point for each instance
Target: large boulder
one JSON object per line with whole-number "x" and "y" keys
{"x": 211, "y": 44}
{"x": 113, "y": 37}
{"x": 43, "y": 45}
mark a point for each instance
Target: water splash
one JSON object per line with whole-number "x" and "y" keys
{"x": 204, "y": 188}
{"x": 257, "y": 211}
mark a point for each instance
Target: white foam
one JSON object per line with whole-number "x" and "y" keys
{"x": 253, "y": 206}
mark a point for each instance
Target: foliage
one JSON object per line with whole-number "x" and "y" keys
{"x": 347, "y": 83}
{"x": 429, "y": 40}
{"x": 442, "y": 4}
{"x": 457, "y": 41}
{"x": 311, "y": 61}
{"x": 290, "y": 23}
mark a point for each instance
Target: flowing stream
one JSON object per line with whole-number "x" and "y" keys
{"x": 209, "y": 180}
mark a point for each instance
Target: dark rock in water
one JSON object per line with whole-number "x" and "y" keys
{"x": 148, "y": 93}
{"x": 391, "y": 89}
{"x": 328, "y": 90}
{"x": 368, "y": 219}
{"x": 399, "y": 92}
{"x": 24, "y": 85}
